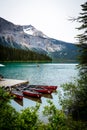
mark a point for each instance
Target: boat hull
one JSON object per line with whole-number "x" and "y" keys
{"x": 49, "y": 87}
{"x": 42, "y": 90}
{"x": 31, "y": 94}
{"x": 16, "y": 95}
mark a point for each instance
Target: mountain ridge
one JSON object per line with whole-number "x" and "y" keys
{"x": 28, "y": 37}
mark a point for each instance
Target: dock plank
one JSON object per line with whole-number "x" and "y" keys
{"x": 12, "y": 82}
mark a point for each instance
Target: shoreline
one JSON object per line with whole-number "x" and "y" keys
{"x": 12, "y": 82}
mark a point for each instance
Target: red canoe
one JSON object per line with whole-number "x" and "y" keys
{"x": 16, "y": 94}
{"x": 32, "y": 93}
{"x": 47, "y": 87}
{"x": 41, "y": 90}
{"x": 43, "y": 86}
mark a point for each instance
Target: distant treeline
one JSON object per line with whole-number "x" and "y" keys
{"x": 13, "y": 54}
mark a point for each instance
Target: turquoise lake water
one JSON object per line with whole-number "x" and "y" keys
{"x": 40, "y": 74}
{"x": 50, "y": 73}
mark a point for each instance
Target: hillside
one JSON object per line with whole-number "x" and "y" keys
{"x": 27, "y": 37}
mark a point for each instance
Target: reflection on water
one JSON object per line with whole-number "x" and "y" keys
{"x": 20, "y": 102}
{"x": 33, "y": 99}
{"x": 2, "y": 65}
{"x": 47, "y": 96}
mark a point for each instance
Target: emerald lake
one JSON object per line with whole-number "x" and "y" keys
{"x": 39, "y": 74}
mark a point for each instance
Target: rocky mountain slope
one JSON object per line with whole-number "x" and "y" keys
{"x": 28, "y": 37}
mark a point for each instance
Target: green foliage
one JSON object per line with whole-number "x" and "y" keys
{"x": 74, "y": 100}
{"x": 29, "y": 118}
{"x": 57, "y": 119}
{"x": 10, "y": 119}
{"x": 82, "y": 81}
{"x": 8, "y": 115}
{"x": 82, "y": 39}
{"x": 13, "y": 54}
{"x": 4, "y": 97}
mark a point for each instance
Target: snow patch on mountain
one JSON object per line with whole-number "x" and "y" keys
{"x": 31, "y": 30}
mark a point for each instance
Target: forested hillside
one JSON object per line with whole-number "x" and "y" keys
{"x": 12, "y": 54}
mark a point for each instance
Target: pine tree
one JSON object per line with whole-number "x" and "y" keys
{"x": 82, "y": 82}
{"x": 76, "y": 104}
{"x": 83, "y": 38}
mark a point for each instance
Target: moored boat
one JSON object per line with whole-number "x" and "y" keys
{"x": 16, "y": 94}
{"x": 41, "y": 90}
{"x": 47, "y": 87}
{"x": 43, "y": 86}
{"x": 32, "y": 93}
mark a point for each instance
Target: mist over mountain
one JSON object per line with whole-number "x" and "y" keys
{"x": 27, "y": 37}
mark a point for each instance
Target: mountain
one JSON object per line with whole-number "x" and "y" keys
{"x": 27, "y": 37}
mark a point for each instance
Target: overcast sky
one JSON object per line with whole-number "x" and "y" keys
{"x": 49, "y": 16}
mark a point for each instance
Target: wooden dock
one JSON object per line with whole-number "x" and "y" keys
{"x": 12, "y": 82}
